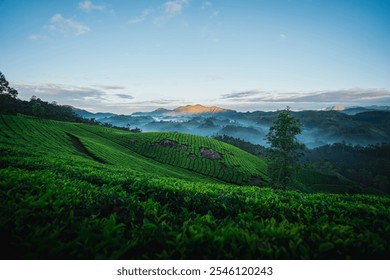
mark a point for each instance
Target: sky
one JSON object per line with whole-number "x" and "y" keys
{"x": 124, "y": 56}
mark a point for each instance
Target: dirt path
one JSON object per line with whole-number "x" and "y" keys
{"x": 81, "y": 148}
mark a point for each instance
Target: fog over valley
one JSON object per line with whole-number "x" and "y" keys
{"x": 355, "y": 125}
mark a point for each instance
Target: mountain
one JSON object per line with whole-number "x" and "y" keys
{"x": 357, "y": 110}
{"x": 88, "y": 115}
{"x": 198, "y": 109}
{"x": 157, "y": 112}
{"x": 336, "y": 108}
{"x": 358, "y": 125}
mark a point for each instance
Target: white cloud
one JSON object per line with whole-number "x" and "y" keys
{"x": 170, "y": 10}
{"x": 125, "y": 96}
{"x": 282, "y": 36}
{"x": 107, "y": 98}
{"x": 97, "y": 96}
{"x": 174, "y": 7}
{"x": 89, "y": 6}
{"x": 325, "y": 96}
{"x": 60, "y": 92}
{"x": 141, "y": 17}
{"x": 37, "y": 37}
{"x": 59, "y": 23}
{"x": 110, "y": 87}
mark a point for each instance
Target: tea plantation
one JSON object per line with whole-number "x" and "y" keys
{"x": 76, "y": 191}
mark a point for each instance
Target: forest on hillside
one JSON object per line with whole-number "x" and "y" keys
{"x": 368, "y": 166}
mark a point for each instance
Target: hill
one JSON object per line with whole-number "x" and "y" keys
{"x": 356, "y": 110}
{"x": 89, "y": 115}
{"x": 318, "y": 127}
{"x": 117, "y": 147}
{"x": 72, "y": 190}
{"x": 197, "y": 109}
{"x": 202, "y": 155}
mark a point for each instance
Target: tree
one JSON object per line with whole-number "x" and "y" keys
{"x": 285, "y": 150}
{"x": 5, "y": 88}
{"x": 37, "y": 109}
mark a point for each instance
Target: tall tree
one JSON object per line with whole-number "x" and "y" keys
{"x": 38, "y": 110}
{"x": 5, "y": 88}
{"x": 285, "y": 149}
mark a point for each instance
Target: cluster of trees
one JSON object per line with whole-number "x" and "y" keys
{"x": 254, "y": 149}
{"x": 370, "y": 165}
{"x": 10, "y": 104}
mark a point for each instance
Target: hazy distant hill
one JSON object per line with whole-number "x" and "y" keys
{"x": 184, "y": 110}
{"x": 336, "y": 108}
{"x": 89, "y": 115}
{"x": 359, "y": 125}
{"x": 356, "y": 110}
{"x": 157, "y": 112}
{"x": 197, "y": 109}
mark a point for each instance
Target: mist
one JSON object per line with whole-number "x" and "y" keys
{"x": 318, "y": 127}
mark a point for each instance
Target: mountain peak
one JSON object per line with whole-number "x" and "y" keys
{"x": 336, "y": 108}
{"x": 161, "y": 110}
{"x": 198, "y": 109}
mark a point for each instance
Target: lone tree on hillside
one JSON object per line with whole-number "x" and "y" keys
{"x": 285, "y": 150}
{"x": 5, "y": 88}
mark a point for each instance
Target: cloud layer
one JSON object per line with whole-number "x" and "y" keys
{"x": 37, "y": 37}
{"x": 329, "y": 96}
{"x": 145, "y": 13}
{"x": 89, "y": 6}
{"x": 107, "y": 98}
{"x": 65, "y": 25}
{"x": 174, "y": 7}
{"x": 95, "y": 97}
{"x": 118, "y": 99}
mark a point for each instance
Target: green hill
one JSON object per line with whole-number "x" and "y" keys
{"x": 71, "y": 190}
{"x": 183, "y": 155}
{"x": 199, "y": 154}
{"x": 54, "y": 141}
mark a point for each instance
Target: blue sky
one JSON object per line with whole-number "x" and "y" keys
{"x": 128, "y": 55}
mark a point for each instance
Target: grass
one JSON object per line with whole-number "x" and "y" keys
{"x": 58, "y": 202}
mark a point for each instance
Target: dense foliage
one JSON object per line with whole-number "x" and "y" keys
{"x": 37, "y": 107}
{"x": 370, "y": 165}
{"x": 5, "y": 88}
{"x": 58, "y": 202}
{"x": 254, "y": 149}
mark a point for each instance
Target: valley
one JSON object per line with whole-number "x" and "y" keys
{"x": 358, "y": 126}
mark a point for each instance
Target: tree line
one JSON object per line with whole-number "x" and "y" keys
{"x": 10, "y": 104}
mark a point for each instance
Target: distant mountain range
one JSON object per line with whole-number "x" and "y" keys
{"x": 356, "y": 125}
{"x": 89, "y": 115}
{"x": 184, "y": 110}
{"x": 356, "y": 110}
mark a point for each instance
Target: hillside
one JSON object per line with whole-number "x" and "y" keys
{"x": 202, "y": 155}
{"x": 77, "y": 191}
{"x": 318, "y": 127}
{"x": 79, "y": 141}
